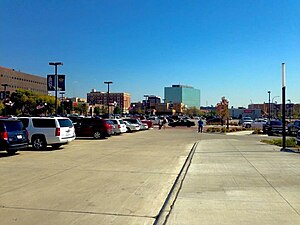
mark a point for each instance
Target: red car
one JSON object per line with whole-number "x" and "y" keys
{"x": 148, "y": 122}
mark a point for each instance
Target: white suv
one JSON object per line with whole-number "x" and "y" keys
{"x": 120, "y": 126}
{"x": 43, "y": 131}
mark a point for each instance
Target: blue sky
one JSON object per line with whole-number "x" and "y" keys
{"x": 224, "y": 48}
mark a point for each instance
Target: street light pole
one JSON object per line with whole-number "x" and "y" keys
{"x": 108, "y": 83}
{"x": 55, "y": 64}
{"x": 283, "y": 108}
{"x": 269, "y": 106}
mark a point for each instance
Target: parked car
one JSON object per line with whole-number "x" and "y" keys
{"x": 246, "y": 122}
{"x": 246, "y": 119}
{"x": 182, "y": 122}
{"x": 137, "y": 121}
{"x": 214, "y": 121}
{"x": 154, "y": 120}
{"x": 256, "y": 124}
{"x": 13, "y": 135}
{"x": 298, "y": 138}
{"x": 273, "y": 127}
{"x": 112, "y": 125}
{"x": 120, "y": 127}
{"x": 131, "y": 126}
{"x": 149, "y": 123}
{"x": 93, "y": 127}
{"x": 43, "y": 131}
{"x": 294, "y": 127}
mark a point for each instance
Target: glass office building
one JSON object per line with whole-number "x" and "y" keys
{"x": 187, "y": 95}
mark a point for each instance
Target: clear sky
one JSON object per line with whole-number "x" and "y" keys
{"x": 224, "y": 48}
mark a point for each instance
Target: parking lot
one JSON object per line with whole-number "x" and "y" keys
{"x": 134, "y": 178}
{"x": 124, "y": 179}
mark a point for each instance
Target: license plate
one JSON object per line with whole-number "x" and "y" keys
{"x": 19, "y": 136}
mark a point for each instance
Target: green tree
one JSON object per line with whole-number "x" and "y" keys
{"x": 97, "y": 110}
{"x": 1, "y": 108}
{"x": 117, "y": 110}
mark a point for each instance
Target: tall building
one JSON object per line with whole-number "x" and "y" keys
{"x": 14, "y": 80}
{"x": 122, "y": 100}
{"x": 187, "y": 95}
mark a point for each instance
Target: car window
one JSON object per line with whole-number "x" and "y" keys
{"x": 65, "y": 123}
{"x": 43, "y": 122}
{"x": 13, "y": 125}
{"x": 25, "y": 122}
{"x": 121, "y": 121}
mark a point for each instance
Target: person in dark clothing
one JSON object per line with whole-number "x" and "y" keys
{"x": 200, "y": 125}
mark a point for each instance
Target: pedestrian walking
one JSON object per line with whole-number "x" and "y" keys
{"x": 200, "y": 125}
{"x": 165, "y": 121}
{"x": 160, "y": 124}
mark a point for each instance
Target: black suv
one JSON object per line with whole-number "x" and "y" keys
{"x": 92, "y": 127}
{"x": 272, "y": 127}
{"x": 13, "y": 135}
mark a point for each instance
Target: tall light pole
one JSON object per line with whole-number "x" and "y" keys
{"x": 283, "y": 109}
{"x": 269, "y": 105}
{"x": 108, "y": 83}
{"x": 55, "y": 64}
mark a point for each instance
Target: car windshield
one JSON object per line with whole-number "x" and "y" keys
{"x": 65, "y": 123}
{"x": 13, "y": 125}
{"x": 276, "y": 123}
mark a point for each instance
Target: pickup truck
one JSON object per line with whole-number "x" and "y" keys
{"x": 273, "y": 127}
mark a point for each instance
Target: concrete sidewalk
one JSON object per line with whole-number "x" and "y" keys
{"x": 239, "y": 181}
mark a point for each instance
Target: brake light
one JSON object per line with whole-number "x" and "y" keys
{"x": 119, "y": 126}
{"x": 4, "y": 135}
{"x": 57, "y": 132}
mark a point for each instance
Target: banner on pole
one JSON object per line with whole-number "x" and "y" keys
{"x": 61, "y": 84}
{"x": 50, "y": 82}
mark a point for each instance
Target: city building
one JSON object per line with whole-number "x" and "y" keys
{"x": 187, "y": 95}
{"x": 12, "y": 80}
{"x": 121, "y": 100}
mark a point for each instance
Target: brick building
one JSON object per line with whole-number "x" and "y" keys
{"x": 121, "y": 100}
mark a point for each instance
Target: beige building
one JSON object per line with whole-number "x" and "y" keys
{"x": 15, "y": 80}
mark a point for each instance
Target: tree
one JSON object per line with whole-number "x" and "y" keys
{"x": 222, "y": 109}
{"x": 1, "y": 108}
{"x": 97, "y": 110}
{"x": 117, "y": 110}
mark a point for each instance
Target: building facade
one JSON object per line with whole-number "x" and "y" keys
{"x": 121, "y": 100}
{"x": 187, "y": 95}
{"x": 13, "y": 80}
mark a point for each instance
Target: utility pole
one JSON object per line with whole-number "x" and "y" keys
{"x": 55, "y": 64}
{"x": 108, "y": 83}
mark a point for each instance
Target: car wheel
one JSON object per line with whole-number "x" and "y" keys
{"x": 129, "y": 130}
{"x": 56, "y": 146}
{"x": 11, "y": 152}
{"x": 97, "y": 135}
{"x": 248, "y": 126}
{"x": 39, "y": 143}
